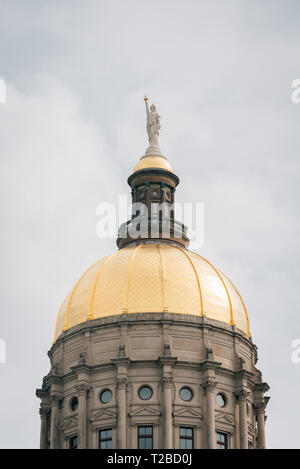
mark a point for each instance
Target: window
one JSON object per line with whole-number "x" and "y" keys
{"x": 145, "y": 437}
{"x": 105, "y": 439}
{"x": 73, "y": 442}
{"x": 221, "y": 400}
{"x": 186, "y": 394}
{"x": 222, "y": 440}
{"x": 186, "y": 438}
{"x": 105, "y": 396}
{"x": 74, "y": 403}
{"x": 145, "y": 393}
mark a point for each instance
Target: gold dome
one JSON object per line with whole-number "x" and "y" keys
{"x": 157, "y": 162}
{"x": 153, "y": 278}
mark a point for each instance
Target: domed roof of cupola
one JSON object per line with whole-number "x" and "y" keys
{"x": 153, "y": 161}
{"x": 153, "y": 278}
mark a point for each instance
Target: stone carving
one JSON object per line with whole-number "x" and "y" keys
{"x": 82, "y": 358}
{"x": 167, "y": 350}
{"x": 44, "y": 412}
{"x": 55, "y": 369}
{"x": 243, "y": 395}
{"x": 241, "y": 363}
{"x": 153, "y": 124}
{"x": 121, "y": 383}
{"x": 209, "y": 354}
{"x": 121, "y": 352}
{"x": 260, "y": 407}
{"x": 55, "y": 399}
{"x": 167, "y": 381}
{"x": 210, "y": 385}
{"x": 82, "y": 389}
{"x": 70, "y": 422}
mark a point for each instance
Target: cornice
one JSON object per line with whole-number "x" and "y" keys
{"x": 187, "y": 320}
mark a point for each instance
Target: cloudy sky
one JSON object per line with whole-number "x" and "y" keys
{"x": 73, "y": 127}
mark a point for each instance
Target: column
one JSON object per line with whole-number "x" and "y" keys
{"x": 237, "y": 423}
{"x": 210, "y": 414}
{"x": 82, "y": 433}
{"x": 260, "y": 416}
{"x": 122, "y": 413}
{"x": 167, "y": 383}
{"x": 54, "y": 441}
{"x": 44, "y": 413}
{"x": 243, "y": 419}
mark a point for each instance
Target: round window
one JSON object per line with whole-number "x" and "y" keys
{"x": 145, "y": 393}
{"x": 106, "y": 396}
{"x": 221, "y": 400}
{"x": 186, "y": 394}
{"x": 74, "y": 403}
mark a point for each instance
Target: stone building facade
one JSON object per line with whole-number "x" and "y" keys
{"x": 152, "y": 346}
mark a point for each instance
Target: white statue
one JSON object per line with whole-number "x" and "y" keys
{"x": 153, "y": 124}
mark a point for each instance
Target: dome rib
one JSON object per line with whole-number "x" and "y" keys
{"x": 96, "y": 283}
{"x": 244, "y": 306}
{"x": 162, "y": 278}
{"x": 137, "y": 248}
{"x": 66, "y": 326}
{"x": 224, "y": 285}
{"x": 197, "y": 277}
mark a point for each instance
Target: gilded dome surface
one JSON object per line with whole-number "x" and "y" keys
{"x": 157, "y": 162}
{"x": 153, "y": 278}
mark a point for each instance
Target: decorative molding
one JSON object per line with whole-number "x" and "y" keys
{"x": 55, "y": 398}
{"x": 70, "y": 422}
{"x": 224, "y": 418}
{"x": 44, "y": 412}
{"x": 188, "y": 412}
{"x": 82, "y": 389}
{"x": 121, "y": 360}
{"x": 167, "y": 381}
{"x": 260, "y": 407}
{"x": 167, "y": 360}
{"x": 242, "y": 395}
{"x": 121, "y": 383}
{"x": 251, "y": 428}
{"x": 144, "y": 411}
{"x": 210, "y": 385}
{"x": 103, "y": 413}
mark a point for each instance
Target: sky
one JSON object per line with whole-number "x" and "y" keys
{"x": 73, "y": 127}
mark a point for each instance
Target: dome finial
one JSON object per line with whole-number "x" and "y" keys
{"x": 153, "y": 127}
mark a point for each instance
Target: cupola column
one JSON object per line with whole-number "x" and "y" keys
{"x": 260, "y": 416}
{"x": 44, "y": 414}
{"x": 210, "y": 414}
{"x": 122, "y": 363}
{"x": 82, "y": 390}
{"x": 167, "y": 383}
{"x": 167, "y": 362}
{"x": 243, "y": 419}
{"x": 54, "y": 428}
{"x": 43, "y": 394}
{"x": 122, "y": 412}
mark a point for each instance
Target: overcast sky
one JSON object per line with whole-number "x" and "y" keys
{"x": 73, "y": 127}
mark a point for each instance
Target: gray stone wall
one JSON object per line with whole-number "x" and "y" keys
{"x": 166, "y": 352}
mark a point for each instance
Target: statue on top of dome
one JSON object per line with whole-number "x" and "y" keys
{"x": 153, "y": 123}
